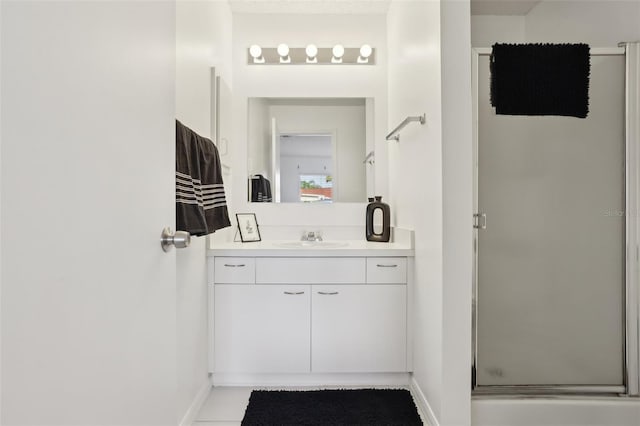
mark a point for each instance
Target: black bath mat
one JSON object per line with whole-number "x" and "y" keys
{"x": 387, "y": 407}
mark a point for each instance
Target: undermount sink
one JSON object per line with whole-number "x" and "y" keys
{"x": 311, "y": 244}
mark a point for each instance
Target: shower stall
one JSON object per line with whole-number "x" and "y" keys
{"x": 556, "y": 240}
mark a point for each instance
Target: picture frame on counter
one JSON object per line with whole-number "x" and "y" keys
{"x": 248, "y": 227}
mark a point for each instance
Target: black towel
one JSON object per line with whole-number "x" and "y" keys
{"x": 540, "y": 79}
{"x": 201, "y": 206}
{"x": 260, "y": 189}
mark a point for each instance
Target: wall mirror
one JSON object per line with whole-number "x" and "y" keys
{"x": 309, "y": 150}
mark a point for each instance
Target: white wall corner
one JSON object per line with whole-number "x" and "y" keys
{"x": 457, "y": 204}
{"x": 424, "y": 408}
{"x": 193, "y": 410}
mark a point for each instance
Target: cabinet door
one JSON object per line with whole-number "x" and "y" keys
{"x": 359, "y": 328}
{"x": 262, "y": 329}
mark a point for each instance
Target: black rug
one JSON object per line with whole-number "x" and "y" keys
{"x": 389, "y": 407}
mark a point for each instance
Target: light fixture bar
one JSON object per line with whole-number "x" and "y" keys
{"x": 298, "y": 56}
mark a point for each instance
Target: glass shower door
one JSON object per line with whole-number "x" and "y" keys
{"x": 550, "y": 261}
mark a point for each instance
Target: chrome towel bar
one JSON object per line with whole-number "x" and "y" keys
{"x": 395, "y": 133}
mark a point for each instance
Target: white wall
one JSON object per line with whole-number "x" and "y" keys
{"x": 487, "y": 30}
{"x": 88, "y": 314}
{"x": 431, "y": 189}
{"x": 203, "y": 33}
{"x": 306, "y": 81}
{"x": 259, "y": 131}
{"x": 599, "y": 23}
{"x": 415, "y": 174}
{"x": 1, "y": 274}
{"x": 457, "y": 210}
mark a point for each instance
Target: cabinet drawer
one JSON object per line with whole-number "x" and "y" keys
{"x": 386, "y": 270}
{"x": 306, "y": 270}
{"x": 235, "y": 270}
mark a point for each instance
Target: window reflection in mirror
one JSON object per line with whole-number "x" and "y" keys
{"x": 308, "y": 150}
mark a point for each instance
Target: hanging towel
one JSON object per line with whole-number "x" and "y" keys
{"x": 540, "y": 79}
{"x": 201, "y": 206}
{"x": 260, "y": 189}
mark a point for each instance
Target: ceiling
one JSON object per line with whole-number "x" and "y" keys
{"x": 310, "y": 6}
{"x": 502, "y": 7}
{"x": 478, "y": 7}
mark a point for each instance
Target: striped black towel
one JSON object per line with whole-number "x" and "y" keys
{"x": 260, "y": 189}
{"x": 201, "y": 206}
{"x": 540, "y": 79}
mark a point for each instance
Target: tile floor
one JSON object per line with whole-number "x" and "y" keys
{"x": 225, "y": 406}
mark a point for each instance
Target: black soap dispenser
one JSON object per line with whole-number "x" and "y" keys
{"x": 385, "y": 235}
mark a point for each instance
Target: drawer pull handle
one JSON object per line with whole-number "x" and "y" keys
{"x": 242, "y": 265}
{"x": 328, "y": 293}
{"x": 294, "y": 292}
{"x": 386, "y": 266}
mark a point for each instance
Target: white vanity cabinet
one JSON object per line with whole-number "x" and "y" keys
{"x": 309, "y": 314}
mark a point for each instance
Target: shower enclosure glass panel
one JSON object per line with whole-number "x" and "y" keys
{"x": 550, "y": 263}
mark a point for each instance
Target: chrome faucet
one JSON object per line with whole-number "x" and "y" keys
{"x": 311, "y": 236}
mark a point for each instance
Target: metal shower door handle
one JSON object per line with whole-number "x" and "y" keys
{"x": 480, "y": 220}
{"x": 179, "y": 239}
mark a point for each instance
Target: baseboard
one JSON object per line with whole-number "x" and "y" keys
{"x": 422, "y": 403}
{"x": 311, "y": 379}
{"x": 551, "y": 411}
{"x": 192, "y": 413}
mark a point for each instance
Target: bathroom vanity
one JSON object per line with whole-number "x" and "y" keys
{"x": 279, "y": 311}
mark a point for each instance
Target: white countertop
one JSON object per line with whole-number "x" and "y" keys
{"x": 355, "y": 248}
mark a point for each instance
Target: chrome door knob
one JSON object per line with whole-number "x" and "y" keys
{"x": 179, "y": 239}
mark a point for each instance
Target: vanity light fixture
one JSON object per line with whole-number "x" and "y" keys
{"x": 256, "y": 53}
{"x": 312, "y": 54}
{"x": 283, "y": 51}
{"x": 338, "y": 53}
{"x": 365, "y": 52}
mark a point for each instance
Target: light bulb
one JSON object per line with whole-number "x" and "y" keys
{"x": 365, "y": 51}
{"x": 283, "y": 51}
{"x": 255, "y": 51}
{"x": 312, "y": 52}
{"x": 338, "y": 51}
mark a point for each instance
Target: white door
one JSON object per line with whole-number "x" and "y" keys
{"x": 358, "y": 328}
{"x": 88, "y": 297}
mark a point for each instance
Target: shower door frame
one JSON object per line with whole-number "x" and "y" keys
{"x": 631, "y": 308}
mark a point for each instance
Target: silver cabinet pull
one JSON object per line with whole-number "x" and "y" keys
{"x": 386, "y": 266}
{"x": 228, "y": 265}
{"x": 328, "y": 293}
{"x": 294, "y": 293}
{"x": 179, "y": 239}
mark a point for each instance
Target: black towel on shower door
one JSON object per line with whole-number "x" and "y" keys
{"x": 201, "y": 206}
{"x": 540, "y": 79}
